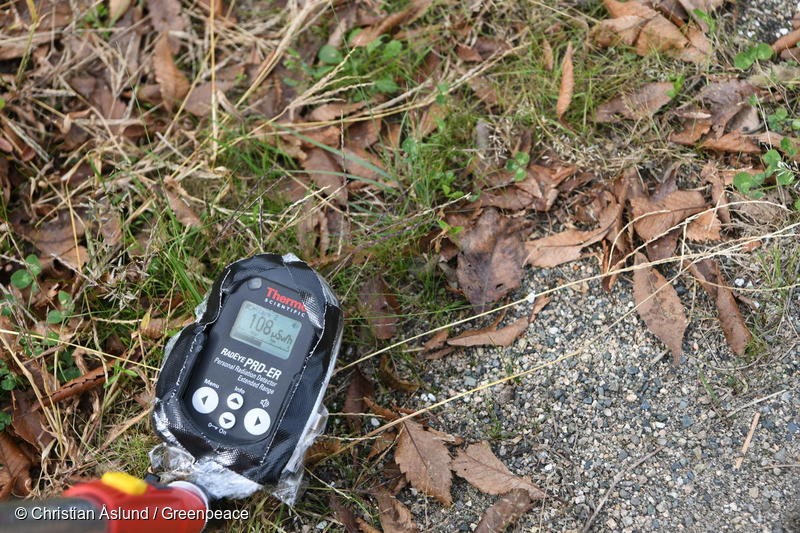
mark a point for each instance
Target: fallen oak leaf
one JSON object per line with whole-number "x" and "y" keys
{"x": 505, "y": 512}
{"x": 498, "y": 337}
{"x": 567, "y": 86}
{"x": 733, "y": 142}
{"x": 424, "y": 459}
{"x": 482, "y": 469}
{"x": 658, "y": 304}
{"x": 395, "y": 517}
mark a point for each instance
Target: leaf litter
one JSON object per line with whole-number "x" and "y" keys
{"x": 491, "y": 249}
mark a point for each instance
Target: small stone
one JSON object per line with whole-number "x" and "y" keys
{"x": 686, "y": 421}
{"x": 753, "y": 492}
{"x": 469, "y": 381}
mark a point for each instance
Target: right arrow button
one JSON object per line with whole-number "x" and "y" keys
{"x": 256, "y": 421}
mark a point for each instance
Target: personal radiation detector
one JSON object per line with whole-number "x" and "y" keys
{"x": 243, "y": 385}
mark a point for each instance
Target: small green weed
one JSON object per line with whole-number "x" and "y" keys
{"x": 752, "y": 54}
{"x": 752, "y": 185}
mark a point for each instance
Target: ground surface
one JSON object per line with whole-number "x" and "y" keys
{"x": 576, "y": 425}
{"x": 617, "y": 436}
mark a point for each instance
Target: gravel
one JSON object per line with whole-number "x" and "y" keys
{"x": 574, "y": 425}
{"x": 764, "y": 20}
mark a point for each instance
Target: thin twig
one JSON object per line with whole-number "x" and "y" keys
{"x": 614, "y": 483}
{"x": 746, "y": 445}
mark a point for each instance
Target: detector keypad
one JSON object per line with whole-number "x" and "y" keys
{"x": 252, "y": 358}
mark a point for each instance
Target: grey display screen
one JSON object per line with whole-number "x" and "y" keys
{"x": 265, "y": 329}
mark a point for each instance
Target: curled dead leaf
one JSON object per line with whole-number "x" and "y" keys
{"x": 496, "y": 337}
{"x": 708, "y": 273}
{"x": 567, "y": 83}
{"x": 505, "y": 512}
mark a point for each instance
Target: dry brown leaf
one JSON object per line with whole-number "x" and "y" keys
{"x": 172, "y": 82}
{"x": 424, "y": 459}
{"x": 539, "y": 190}
{"x": 379, "y": 307}
{"x": 28, "y": 422}
{"x": 566, "y": 246}
{"x": 505, "y": 512}
{"x": 656, "y": 218}
{"x": 708, "y": 273}
{"x": 483, "y": 89}
{"x": 321, "y": 449}
{"x": 538, "y": 305}
{"x": 658, "y": 304}
{"x": 490, "y": 263}
{"x": 365, "y": 527}
{"x": 629, "y": 8}
{"x": 622, "y": 30}
{"x": 335, "y": 111}
{"x": 660, "y": 35}
{"x": 59, "y": 237}
{"x": 548, "y": 58}
{"x": 360, "y": 387}
{"x": 415, "y": 10}
{"x": 733, "y": 142}
{"x": 181, "y": 208}
{"x": 326, "y": 174}
{"x": 166, "y": 17}
{"x": 382, "y": 442}
{"x": 343, "y": 514}
{"x": 638, "y": 105}
{"x": 18, "y": 466}
{"x": 500, "y": 337}
{"x": 386, "y": 414}
{"x": 76, "y": 387}
{"x": 567, "y": 83}
{"x": 395, "y": 517}
{"x": 198, "y": 103}
{"x": 116, "y": 8}
{"x": 389, "y": 376}
{"x": 479, "y": 465}
{"x": 787, "y": 41}
{"x": 704, "y": 228}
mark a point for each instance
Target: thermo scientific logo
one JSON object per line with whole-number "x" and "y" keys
{"x": 290, "y": 303}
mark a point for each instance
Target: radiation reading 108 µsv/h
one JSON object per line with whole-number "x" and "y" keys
{"x": 265, "y": 329}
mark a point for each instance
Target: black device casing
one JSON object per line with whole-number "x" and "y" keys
{"x": 262, "y": 461}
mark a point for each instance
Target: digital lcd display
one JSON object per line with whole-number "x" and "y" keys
{"x": 265, "y": 329}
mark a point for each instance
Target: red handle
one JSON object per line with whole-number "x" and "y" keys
{"x": 132, "y": 505}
